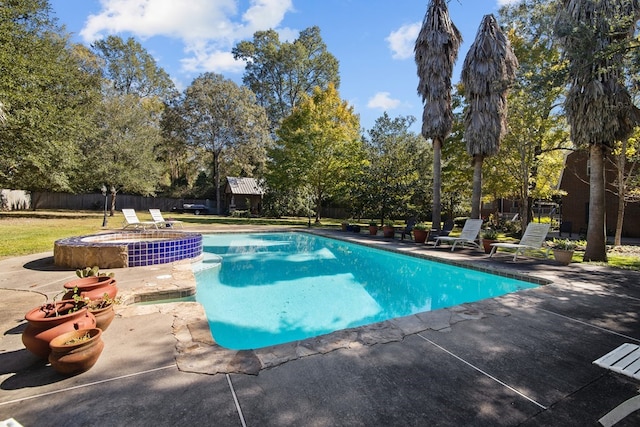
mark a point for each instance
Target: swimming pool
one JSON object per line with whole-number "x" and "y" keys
{"x": 264, "y": 289}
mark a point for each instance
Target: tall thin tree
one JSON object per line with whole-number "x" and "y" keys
{"x": 436, "y": 51}
{"x": 489, "y": 69}
{"x": 594, "y": 35}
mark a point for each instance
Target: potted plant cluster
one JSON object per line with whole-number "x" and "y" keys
{"x": 68, "y": 333}
{"x": 373, "y": 228}
{"x": 420, "y": 232}
{"x": 563, "y": 250}
{"x": 489, "y": 236}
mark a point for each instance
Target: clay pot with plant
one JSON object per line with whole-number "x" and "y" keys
{"x": 75, "y": 352}
{"x": 373, "y": 228}
{"x": 52, "y": 319}
{"x": 420, "y": 232}
{"x": 388, "y": 230}
{"x": 92, "y": 284}
{"x": 563, "y": 250}
{"x": 489, "y": 236}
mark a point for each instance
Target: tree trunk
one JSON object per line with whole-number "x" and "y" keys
{"x": 113, "y": 201}
{"x": 476, "y": 198}
{"x": 437, "y": 184}
{"x": 596, "y": 231}
{"x": 621, "y": 166}
{"x": 216, "y": 179}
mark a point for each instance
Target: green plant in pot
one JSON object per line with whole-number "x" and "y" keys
{"x": 388, "y": 230}
{"x": 420, "y": 232}
{"x": 563, "y": 250}
{"x": 373, "y": 228}
{"x": 489, "y": 236}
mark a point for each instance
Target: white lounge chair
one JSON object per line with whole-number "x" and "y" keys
{"x": 624, "y": 360}
{"x": 532, "y": 239}
{"x": 469, "y": 234}
{"x": 157, "y": 217}
{"x": 131, "y": 220}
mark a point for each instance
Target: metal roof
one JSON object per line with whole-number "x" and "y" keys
{"x": 244, "y": 186}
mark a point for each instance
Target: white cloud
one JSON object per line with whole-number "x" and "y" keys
{"x": 402, "y": 40}
{"x": 505, "y": 2}
{"x": 383, "y": 101}
{"x": 208, "y": 29}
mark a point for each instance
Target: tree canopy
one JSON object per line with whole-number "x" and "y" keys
{"x": 318, "y": 147}
{"x": 281, "y": 73}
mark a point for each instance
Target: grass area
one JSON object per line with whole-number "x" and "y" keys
{"x": 27, "y": 232}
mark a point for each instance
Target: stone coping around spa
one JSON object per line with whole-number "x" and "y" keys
{"x": 105, "y": 238}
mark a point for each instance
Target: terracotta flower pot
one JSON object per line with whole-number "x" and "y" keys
{"x": 420, "y": 236}
{"x": 486, "y": 244}
{"x": 71, "y": 355}
{"x": 373, "y": 230}
{"x": 104, "y": 316}
{"x": 388, "y": 231}
{"x": 44, "y": 325}
{"x": 93, "y": 287}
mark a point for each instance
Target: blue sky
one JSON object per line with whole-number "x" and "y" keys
{"x": 372, "y": 39}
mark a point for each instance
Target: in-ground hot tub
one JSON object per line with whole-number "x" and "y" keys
{"x": 126, "y": 249}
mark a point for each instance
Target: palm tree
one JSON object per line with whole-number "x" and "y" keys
{"x": 599, "y": 109}
{"x": 436, "y": 51}
{"x": 488, "y": 71}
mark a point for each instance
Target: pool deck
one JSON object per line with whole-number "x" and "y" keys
{"x": 524, "y": 359}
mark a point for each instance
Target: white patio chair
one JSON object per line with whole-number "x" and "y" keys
{"x": 468, "y": 235}
{"x": 156, "y": 215}
{"x": 532, "y": 239}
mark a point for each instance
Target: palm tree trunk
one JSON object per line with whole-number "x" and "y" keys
{"x": 437, "y": 184}
{"x": 596, "y": 231}
{"x": 476, "y": 197}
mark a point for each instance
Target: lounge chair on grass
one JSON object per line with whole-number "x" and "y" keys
{"x": 157, "y": 217}
{"x": 469, "y": 235}
{"x": 532, "y": 239}
{"x": 131, "y": 220}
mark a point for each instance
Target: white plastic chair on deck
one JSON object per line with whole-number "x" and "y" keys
{"x": 469, "y": 234}
{"x": 532, "y": 239}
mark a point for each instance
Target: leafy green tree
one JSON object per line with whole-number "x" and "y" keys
{"x": 122, "y": 154}
{"x": 319, "y": 148}
{"x": 131, "y": 70}
{"x": 47, "y": 95}
{"x": 281, "y": 73}
{"x": 531, "y": 154}
{"x": 225, "y": 121}
{"x": 594, "y": 36}
{"x": 392, "y": 178}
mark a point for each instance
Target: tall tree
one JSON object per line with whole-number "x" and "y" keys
{"x": 595, "y": 35}
{"x": 436, "y": 51}
{"x": 122, "y": 154}
{"x": 392, "y": 174}
{"x": 537, "y": 136}
{"x": 131, "y": 70}
{"x": 47, "y": 96}
{"x": 225, "y": 121}
{"x": 489, "y": 69}
{"x": 280, "y": 74}
{"x": 319, "y": 147}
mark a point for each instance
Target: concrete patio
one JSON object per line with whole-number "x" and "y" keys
{"x": 524, "y": 359}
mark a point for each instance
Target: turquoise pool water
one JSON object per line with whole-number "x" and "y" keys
{"x": 271, "y": 288}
